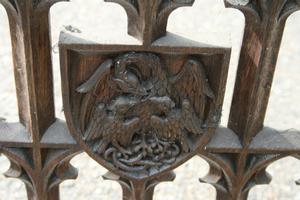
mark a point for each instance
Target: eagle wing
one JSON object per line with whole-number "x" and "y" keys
{"x": 96, "y": 89}
{"x": 192, "y": 84}
{"x": 97, "y": 127}
{"x": 190, "y": 120}
{"x": 104, "y": 129}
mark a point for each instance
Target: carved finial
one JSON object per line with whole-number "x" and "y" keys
{"x": 147, "y": 19}
{"x": 265, "y": 9}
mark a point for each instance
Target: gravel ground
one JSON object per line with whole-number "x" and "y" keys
{"x": 206, "y": 15}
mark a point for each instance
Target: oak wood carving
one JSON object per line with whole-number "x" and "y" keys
{"x": 135, "y": 113}
{"x": 143, "y": 109}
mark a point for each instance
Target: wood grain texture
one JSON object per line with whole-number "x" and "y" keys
{"x": 139, "y": 113}
{"x": 264, "y": 26}
{"x": 31, "y": 45}
{"x": 141, "y": 110}
{"x": 147, "y": 20}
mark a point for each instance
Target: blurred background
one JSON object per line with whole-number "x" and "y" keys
{"x": 205, "y": 16}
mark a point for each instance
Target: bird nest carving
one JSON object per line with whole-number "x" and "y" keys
{"x": 140, "y": 118}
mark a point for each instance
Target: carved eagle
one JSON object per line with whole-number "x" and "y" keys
{"x": 178, "y": 124}
{"x": 130, "y": 79}
{"x": 106, "y": 128}
{"x": 192, "y": 87}
{"x": 192, "y": 84}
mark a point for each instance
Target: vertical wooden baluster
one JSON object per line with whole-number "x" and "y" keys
{"x": 30, "y": 33}
{"x": 265, "y": 22}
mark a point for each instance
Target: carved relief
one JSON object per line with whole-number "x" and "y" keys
{"x": 140, "y": 112}
{"x": 143, "y": 122}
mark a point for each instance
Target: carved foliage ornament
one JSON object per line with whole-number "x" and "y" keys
{"x": 137, "y": 116}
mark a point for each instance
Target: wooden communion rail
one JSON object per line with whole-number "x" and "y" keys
{"x": 142, "y": 109}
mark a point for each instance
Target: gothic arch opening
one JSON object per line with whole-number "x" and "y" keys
{"x": 93, "y": 20}
{"x": 283, "y": 184}
{"x": 284, "y": 110}
{"x": 8, "y": 100}
{"x": 8, "y": 107}
{"x": 216, "y": 25}
{"x": 89, "y": 184}
{"x": 187, "y": 185}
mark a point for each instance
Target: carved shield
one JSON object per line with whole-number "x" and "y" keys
{"x": 139, "y": 112}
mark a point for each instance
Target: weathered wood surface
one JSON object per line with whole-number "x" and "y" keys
{"x": 143, "y": 108}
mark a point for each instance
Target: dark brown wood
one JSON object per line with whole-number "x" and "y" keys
{"x": 143, "y": 109}
{"x": 264, "y": 25}
{"x": 265, "y": 22}
{"x": 30, "y": 33}
{"x": 135, "y": 115}
{"x": 139, "y": 189}
{"x": 147, "y": 20}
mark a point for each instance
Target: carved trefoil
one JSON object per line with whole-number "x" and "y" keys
{"x": 140, "y": 110}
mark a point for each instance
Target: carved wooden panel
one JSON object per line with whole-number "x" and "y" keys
{"x": 142, "y": 112}
{"x": 142, "y": 109}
